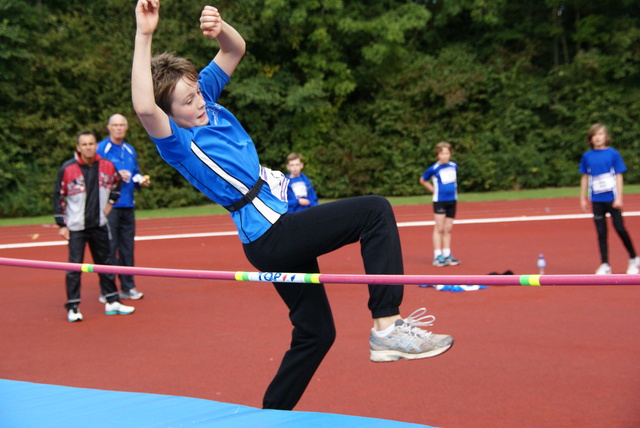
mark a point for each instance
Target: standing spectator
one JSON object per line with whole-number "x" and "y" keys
{"x": 122, "y": 221}
{"x": 601, "y": 169}
{"x": 445, "y": 195}
{"x": 86, "y": 188}
{"x": 300, "y": 192}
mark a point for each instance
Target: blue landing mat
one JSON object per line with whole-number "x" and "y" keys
{"x": 31, "y": 405}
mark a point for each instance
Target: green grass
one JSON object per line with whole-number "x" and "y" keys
{"x": 210, "y": 209}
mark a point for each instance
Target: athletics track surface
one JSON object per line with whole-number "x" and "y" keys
{"x": 524, "y": 356}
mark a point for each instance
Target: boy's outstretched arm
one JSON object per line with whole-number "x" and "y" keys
{"x": 232, "y": 45}
{"x": 154, "y": 120}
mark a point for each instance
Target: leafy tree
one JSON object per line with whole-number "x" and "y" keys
{"x": 364, "y": 90}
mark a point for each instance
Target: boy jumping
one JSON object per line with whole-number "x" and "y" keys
{"x": 206, "y": 143}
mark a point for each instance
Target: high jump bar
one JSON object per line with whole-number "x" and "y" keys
{"x": 317, "y": 278}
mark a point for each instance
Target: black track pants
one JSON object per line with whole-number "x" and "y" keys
{"x": 293, "y": 245}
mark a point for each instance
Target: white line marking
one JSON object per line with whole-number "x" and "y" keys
{"x": 403, "y": 224}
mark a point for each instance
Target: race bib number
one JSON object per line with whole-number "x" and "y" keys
{"x": 447, "y": 175}
{"x": 299, "y": 189}
{"x": 603, "y": 183}
{"x": 277, "y": 182}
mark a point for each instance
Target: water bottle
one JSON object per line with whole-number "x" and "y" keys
{"x": 541, "y": 264}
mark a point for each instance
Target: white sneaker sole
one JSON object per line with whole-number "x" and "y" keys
{"x": 130, "y": 297}
{"x": 392, "y": 355}
{"x": 117, "y": 312}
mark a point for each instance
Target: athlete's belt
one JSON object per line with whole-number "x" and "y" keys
{"x": 248, "y": 197}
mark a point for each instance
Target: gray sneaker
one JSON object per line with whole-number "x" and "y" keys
{"x": 452, "y": 261}
{"x": 132, "y": 294}
{"x": 408, "y": 341}
{"x": 439, "y": 261}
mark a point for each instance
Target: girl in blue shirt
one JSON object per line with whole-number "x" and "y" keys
{"x": 601, "y": 169}
{"x": 444, "y": 175}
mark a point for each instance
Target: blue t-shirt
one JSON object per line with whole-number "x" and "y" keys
{"x": 602, "y": 167}
{"x": 123, "y": 156}
{"x": 444, "y": 178}
{"x": 300, "y": 187}
{"x": 221, "y": 161}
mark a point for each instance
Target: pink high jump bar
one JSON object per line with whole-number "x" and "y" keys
{"x": 527, "y": 280}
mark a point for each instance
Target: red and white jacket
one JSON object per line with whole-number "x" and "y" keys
{"x": 82, "y": 192}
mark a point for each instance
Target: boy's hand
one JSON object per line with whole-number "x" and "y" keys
{"x": 147, "y": 16}
{"x": 210, "y": 22}
{"x": 583, "y": 204}
{"x": 617, "y": 203}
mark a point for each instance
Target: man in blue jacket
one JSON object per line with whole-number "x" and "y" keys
{"x": 122, "y": 222}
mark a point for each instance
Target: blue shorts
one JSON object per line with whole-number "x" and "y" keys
{"x": 448, "y": 208}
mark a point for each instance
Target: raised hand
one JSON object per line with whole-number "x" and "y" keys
{"x": 147, "y": 16}
{"x": 210, "y": 22}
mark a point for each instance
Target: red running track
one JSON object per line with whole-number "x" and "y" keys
{"x": 524, "y": 356}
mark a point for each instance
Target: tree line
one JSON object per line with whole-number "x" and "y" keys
{"x": 363, "y": 90}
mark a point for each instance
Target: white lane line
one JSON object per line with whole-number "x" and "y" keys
{"x": 402, "y": 224}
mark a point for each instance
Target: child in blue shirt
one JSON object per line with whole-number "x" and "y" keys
{"x": 602, "y": 182}
{"x": 444, "y": 174}
{"x": 300, "y": 192}
{"x": 206, "y": 143}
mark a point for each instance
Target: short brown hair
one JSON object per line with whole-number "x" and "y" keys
{"x": 594, "y": 129}
{"x": 294, "y": 156}
{"x": 443, "y": 145}
{"x": 167, "y": 69}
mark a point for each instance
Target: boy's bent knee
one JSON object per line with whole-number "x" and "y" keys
{"x": 377, "y": 203}
{"x": 324, "y": 335}
{"x": 321, "y": 338}
{"x": 324, "y": 343}
{"x": 377, "y": 199}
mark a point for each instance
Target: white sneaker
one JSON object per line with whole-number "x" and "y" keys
{"x": 634, "y": 266}
{"x": 102, "y": 299}
{"x": 74, "y": 315}
{"x": 603, "y": 269}
{"x": 117, "y": 308}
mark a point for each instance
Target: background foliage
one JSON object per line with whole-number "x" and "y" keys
{"x": 363, "y": 90}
